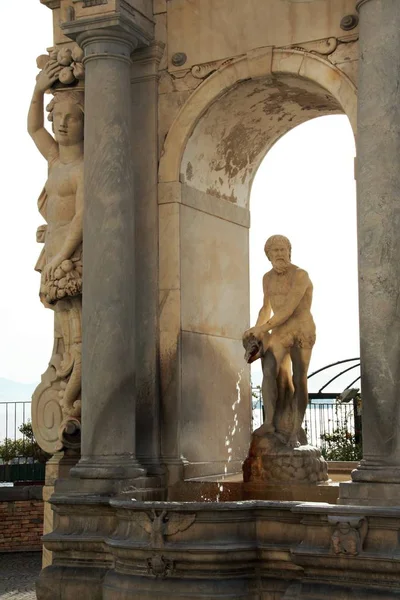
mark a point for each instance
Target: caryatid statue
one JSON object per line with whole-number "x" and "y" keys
{"x": 56, "y": 402}
{"x": 284, "y": 343}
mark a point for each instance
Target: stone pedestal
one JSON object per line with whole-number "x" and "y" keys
{"x": 270, "y": 461}
{"x": 58, "y": 467}
{"x": 378, "y": 185}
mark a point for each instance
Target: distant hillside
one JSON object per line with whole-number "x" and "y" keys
{"x": 13, "y": 391}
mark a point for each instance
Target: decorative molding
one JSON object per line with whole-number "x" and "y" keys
{"x": 204, "y": 70}
{"x": 52, "y": 4}
{"x": 324, "y": 47}
{"x": 89, "y": 3}
{"x": 118, "y": 23}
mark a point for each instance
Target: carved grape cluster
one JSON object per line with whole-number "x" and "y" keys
{"x": 69, "y": 60}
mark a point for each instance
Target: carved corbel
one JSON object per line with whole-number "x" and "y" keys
{"x": 349, "y": 535}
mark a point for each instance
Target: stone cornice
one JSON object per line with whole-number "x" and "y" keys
{"x": 51, "y": 3}
{"x": 116, "y": 22}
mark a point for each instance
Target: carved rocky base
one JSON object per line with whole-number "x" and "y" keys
{"x": 271, "y": 461}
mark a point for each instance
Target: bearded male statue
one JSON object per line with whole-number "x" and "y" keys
{"x": 284, "y": 343}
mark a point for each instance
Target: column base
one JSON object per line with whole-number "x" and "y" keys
{"x": 369, "y": 494}
{"x": 372, "y": 484}
{"x": 115, "y": 467}
{"x": 375, "y": 473}
{"x": 57, "y": 467}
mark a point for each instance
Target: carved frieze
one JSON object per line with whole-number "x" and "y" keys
{"x": 88, "y": 3}
{"x": 161, "y": 524}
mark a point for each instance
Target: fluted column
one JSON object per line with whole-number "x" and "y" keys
{"x": 378, "y": 190}
{"x": 108, "y": 360}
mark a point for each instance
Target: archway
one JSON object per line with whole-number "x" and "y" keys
{"x": 210, "y": 156}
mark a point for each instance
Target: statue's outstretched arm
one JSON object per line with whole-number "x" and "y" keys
{"x": 43, "y": 140}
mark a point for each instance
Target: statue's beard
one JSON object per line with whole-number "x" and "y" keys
{"x": 281, "y": 265}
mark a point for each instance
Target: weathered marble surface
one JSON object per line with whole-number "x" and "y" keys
{"x": 247, "y": 550}
{"x": 271, "y": 461}
{"x": 378, "y": 184}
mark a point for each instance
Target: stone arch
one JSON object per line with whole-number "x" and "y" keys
{"x": 209, "y": 160}
{"x": 267, "y": 66}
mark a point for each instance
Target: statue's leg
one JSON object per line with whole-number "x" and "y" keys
{"x": 300, "y": 362}
{"x": 76, "y": 319}
{"x": 72, "y": 386}
{"x": 271, "y": 362}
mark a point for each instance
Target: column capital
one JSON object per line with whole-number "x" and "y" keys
{"x": 146, "y": 61}
{"x": 107, "y": 43}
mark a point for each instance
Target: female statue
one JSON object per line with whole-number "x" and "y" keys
{"x": 60, "y": 262}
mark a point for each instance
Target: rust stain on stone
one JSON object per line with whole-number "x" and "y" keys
{"x": 238, "y": 149}
{"x": 189, "y": 171}
{"x": 217, "y": 194}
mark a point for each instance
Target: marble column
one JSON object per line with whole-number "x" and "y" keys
{"x": 144, "y": 86}
{"x": 378, "y": 190}
{"x": 108, "y": 354}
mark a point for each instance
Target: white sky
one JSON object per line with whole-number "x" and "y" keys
{"x": 26, "y": 327}
{"x": 304, "y": 189}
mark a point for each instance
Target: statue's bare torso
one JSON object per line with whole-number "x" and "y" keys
{"x": 279, "y": 288}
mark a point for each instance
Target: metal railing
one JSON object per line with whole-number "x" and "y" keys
{"x": 331, "y": 417}
{"x": 18, "y": 460}
{"x": 322, "y": 420}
